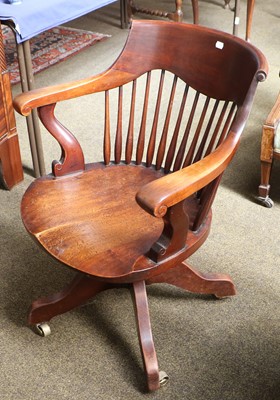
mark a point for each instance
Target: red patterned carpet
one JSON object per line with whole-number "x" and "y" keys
{"x": 49, "y": 47}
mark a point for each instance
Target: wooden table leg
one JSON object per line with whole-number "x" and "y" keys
{"x": 35, "y": 120}
{"x": 195, "y": 11}
{"x": 236, "y": 18}
{"x": 124, "y": 14}
{"x": 29, "y": 120}
{"x": 250, "y": 11}
{"x": 27, "y": 83}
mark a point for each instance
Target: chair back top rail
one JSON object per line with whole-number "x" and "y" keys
{"x": 212, "y": 62}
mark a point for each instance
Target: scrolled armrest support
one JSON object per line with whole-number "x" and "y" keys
{"x": 174, "y": 234}
{"x": 72, "y": 157}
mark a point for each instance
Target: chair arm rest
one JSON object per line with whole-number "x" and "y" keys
{"x": 157, "y": 196}
{"x": 25, "y": 102}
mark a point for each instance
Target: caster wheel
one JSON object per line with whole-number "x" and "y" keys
{"x": 163, "y": 378}
{"x": 266, "y": 201}
{"x": 43, "y": 329}
{"x": 216, "y": 297}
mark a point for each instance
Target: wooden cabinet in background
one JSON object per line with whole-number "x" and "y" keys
{"x": 10, "y": 161}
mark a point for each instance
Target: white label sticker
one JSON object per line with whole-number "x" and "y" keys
{"x": 236, "y": 21}
{"x": 219, "y": 45}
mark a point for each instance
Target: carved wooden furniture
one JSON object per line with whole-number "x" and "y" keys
{"x": 270, "y": 150}
{"x": 10, "y": 161}
{"x": 176, "y": 15}
{"x": 172, "y": 123}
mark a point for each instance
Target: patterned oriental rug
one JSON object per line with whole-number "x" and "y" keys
{"x": 49, "y": 47}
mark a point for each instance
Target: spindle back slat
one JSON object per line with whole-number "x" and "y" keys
{"x": 162, "y": 144}
{"x": 182, "y": 148}
{"x": 206, "y": 197}
{"x": 152, "y": 141}
{"x": 227, "y": 124}
{"x": 190, "y": 154}
{"x": 174, "y": 140}
{"x": 216, "y": 130}
{"x": 142, "y": 132}
{"x": 107, "y": 132}
{"x": 200, "y": 150}
{"x": 118, "y": 141}
{"x": 130, "y": 133}
{"x": 171, "y": 130}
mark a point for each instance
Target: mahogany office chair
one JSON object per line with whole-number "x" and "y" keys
{"x": 135, "y": 217}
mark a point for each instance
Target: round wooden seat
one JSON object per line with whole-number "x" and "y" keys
{"x": 77, "y": 219}
{"x": 80, "y": 224}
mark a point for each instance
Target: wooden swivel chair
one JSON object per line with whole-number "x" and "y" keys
{"x": 270, "y": 151}
{"x": 182, "y": 96}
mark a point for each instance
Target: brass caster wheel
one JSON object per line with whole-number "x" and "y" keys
{"x": 163, "y": 378}
{"x": 266, "y": 201}
{"x": 43, "y": 329}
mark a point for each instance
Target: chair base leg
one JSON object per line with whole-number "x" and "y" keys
{"x": 186, "y": 277}
{"x": 145, "y": 335}
{"x": 81, "y": 289}
{"x": 78, "y": 292}
{"x": 84, "y": 287}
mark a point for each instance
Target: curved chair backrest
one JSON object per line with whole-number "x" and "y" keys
{"x": 212, "y": 62}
